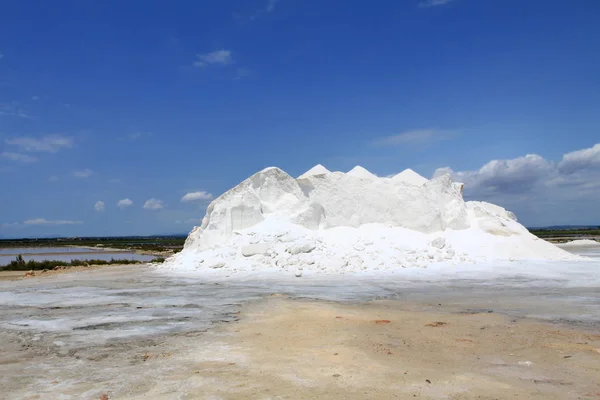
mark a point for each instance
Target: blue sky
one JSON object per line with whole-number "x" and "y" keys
{"x": 149, "y": 101}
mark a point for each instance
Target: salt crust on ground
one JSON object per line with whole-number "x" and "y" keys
{"x": 336, "y": 223}
{"x": 581, "y": 243}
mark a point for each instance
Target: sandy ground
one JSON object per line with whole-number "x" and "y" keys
{"x": 15, "y": 275}
{"x": 515, "y": 332}
{"x": 281, "y": 348}
{"x": 293, "y": 349}
{"x": 11, "y": 275}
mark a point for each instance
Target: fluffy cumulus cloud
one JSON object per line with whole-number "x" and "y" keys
{"x": 45, "y": 144}
{"x": 196, "y": 196}
{"x": 43, "y": 221}
{"x": 567, "y": 188}
{"x": 517, "y": 175}
{"x": 99, "y": 206}
{"x": 580, "y": 160}
{"x": 217, "y": 57}
{"x": 124, "y": 203}
{"x": 154, "y": 204}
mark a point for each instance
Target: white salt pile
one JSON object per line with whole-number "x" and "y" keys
{"x": 333, "y": 222}
{"x": 316, "y": 170}
{"x": 361, "y": 173}
{"x": 409, "y": 176}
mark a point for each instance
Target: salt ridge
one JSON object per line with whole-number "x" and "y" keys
{"x": 409, "y": 176}
{"x": 335, "y": 223}
{"x": 362, "y": 173}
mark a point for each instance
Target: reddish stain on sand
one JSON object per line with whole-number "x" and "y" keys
{"x": 382, "y": 321}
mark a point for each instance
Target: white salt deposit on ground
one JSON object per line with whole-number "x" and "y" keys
{"x": 581, "y": 243}
{"x": 334, "y": 223}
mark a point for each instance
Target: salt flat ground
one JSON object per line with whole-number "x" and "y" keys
{"x": 507, "y": 330}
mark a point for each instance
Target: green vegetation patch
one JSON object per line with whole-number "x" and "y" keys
{"x": 545, "y": 233}
{"x": 147, "y": 243}
{"x": 19, "y": 264}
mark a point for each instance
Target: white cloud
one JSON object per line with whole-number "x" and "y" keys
{"x": 134, "y": 136}
{"x": 1, "y": 56}
{"x": 196, "y": 196}
{"x": 83, "y": 174}
{"x": 154, "y": 204}
{"x": 268, "y": 8}
{"x": 271, "y": 5}
{"x": 580, "y": 159}
{"x": 99, "y": 206}
{"x": 35, "y": 98}
{"x": 517, "y": 175}
{"x": 44, "y": 144}
{"x": 433, "y": 3}
{"x": 576, "y": 175}
{"x": 13, "y": 109}
{"x": 242, "y": 72}
{"x": 43, "y": 221}
{"x": 417, "y": 136}
{"x": 18, "y": 157}
{"x": 124, "y": 203}
{"x": 217, "y": 57}
{"x": 53, "y": 178}
{"x": 544, "y": 191}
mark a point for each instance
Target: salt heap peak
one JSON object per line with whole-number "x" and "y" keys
{"x": 340, "y": 223}
{"x": 410, "y": 177}
{"x": 316, "y": 170}
{"x": 361, "y": 173}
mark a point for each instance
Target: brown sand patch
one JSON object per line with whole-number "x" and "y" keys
{"x": 285, "y": 348}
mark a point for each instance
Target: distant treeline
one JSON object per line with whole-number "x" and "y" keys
{"x": 592, "y": 231}
{"x": 148, "y": 243}
{"x": 19, "y": 264}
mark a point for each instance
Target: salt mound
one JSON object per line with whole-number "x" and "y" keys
{"x": 362, "y": 173}
{"x": 410, "y": 177}
{"x": 580, "y": 243}
{"x": 345, "y": 223}
{"x": 316, "y": 170}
